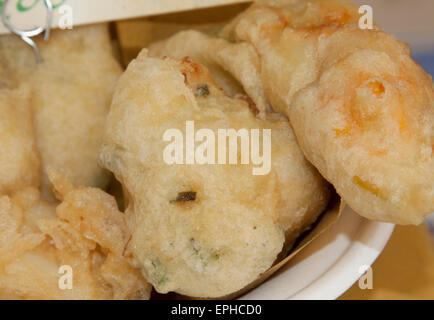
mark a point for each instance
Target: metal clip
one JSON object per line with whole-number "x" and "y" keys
{"x": 26, "y": 35}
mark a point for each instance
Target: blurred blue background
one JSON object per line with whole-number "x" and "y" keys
{"x": 426, "y": 60}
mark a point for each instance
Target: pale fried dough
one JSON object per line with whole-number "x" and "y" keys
{"x": 19, "y": 160}
{"x": 233, "y": 228}
{"x": 230, "y": 64}
{"x": 71, "y": 94}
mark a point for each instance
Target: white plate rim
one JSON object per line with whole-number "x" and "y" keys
{"x": 364, "y": 250}
{"x": 331, "y": 262}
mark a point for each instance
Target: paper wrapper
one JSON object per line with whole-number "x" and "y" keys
{"x": 134, "y": 35}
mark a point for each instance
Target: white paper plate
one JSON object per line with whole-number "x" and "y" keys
{"x": 331, "y": 264}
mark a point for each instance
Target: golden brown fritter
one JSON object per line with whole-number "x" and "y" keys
{"x": 361, "y": 108}
{"x": 86, "y": 232}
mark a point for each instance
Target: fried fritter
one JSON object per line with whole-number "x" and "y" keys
{"x": 85, "y": 232}
{"x": 230, "y": 64}
{"x": 203, "y": 230}
{"x": 71, "y": 95}
{"x": 361, "y": 108}
{"x": 19, "y": 160}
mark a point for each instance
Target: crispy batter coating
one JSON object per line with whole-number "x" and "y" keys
{"x": 19, "y": 160}
{"x": 361, "y": 108}
{"x": 230, "y": 64}
{"x": 202, "y": 230}
{"x": 86, "y": 232}
{"x": 71, "y": 95}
